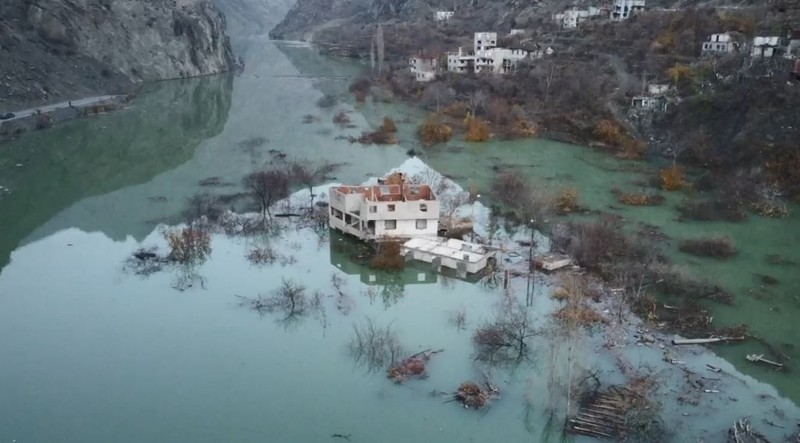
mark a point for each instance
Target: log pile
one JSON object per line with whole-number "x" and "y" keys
{"x": 602, "y": 416}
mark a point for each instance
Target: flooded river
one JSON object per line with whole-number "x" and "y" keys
{"x": 94, "y": 353}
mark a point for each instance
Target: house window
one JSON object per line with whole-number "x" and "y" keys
{"x": 373, "y": 209}
{"x": 423, "y": 207}
{"x": 391, "y": 208}
{"x": 390, "y": 224}
{"x": 422, "y": 224}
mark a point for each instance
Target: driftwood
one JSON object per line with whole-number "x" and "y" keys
{"x": 702, "y": 341}
{"x": 742, "y": 432}
{"x": 759, "y": 358}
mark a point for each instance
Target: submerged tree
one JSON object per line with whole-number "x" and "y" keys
{"x": 505, "y": 340}
{"x": 309, "y": 175}
{"x": 373, "y": 346}
{"x": 267, "y": 187}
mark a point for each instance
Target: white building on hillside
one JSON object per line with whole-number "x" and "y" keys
{"x": 572, "y": 17}
{"x": 442, "y": 16}
{"x": 460, "y": 61}
{"x": 374, "y": 212}
{"x": 765, "y": 46}
{"x": 486, "y": 57}
{"x": 484, "y": 41}
{"x": 499, "y": 60}
{"x": 623, "y": 9}
{"x": 424, "y": 68}
{"x": 719, "y": 44}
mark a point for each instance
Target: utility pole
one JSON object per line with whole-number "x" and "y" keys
{"x": 531, "y": 268}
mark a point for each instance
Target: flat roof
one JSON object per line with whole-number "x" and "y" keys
{"x": 449, "y": 247}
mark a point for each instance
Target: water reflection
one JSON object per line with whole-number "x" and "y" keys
{"x": 50, "y": 170}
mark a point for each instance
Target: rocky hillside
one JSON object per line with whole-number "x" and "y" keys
{"x": 54, "y": 50}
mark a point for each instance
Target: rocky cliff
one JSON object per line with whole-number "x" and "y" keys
{"x": 54, "y": 50}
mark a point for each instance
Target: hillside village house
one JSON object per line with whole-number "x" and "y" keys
{"x": 572, "y": 17}
{"x": 373, "y": 212}
{"x": 654, "y": 100}
{"x": 720, "y": 44}
{"x": 442, "y": 16}
{"x": 623, "y": 9}
{"x": 792, "y": 44}
{"x": 487, "y": 57}
{"x": 765, "y": 46}
{"x": 424, "y": 68}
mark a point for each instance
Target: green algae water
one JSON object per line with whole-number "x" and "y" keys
{"x": 93, "y": 353}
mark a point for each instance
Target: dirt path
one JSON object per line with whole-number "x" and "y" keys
{"x": 25, "y": 113}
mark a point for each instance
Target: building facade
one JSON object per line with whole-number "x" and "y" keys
{"x": 443, "y": 16}
{"x": 486, "y": 57}
{"x": 765, "y": 46}
{"x": 624, "y": 9}
{"x": 719, "y": 44}
{"x": 572, "y": 17}
{"x": 375, "y": 212}
{"x": 424, "y": 68}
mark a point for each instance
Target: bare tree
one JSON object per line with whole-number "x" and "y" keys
{"x": 375, "y": 347}
{"x": 478, "y": 101}
{"x": 310, "y": 175}
{"x": 267, "y": 187}
{"x": 505, "y": 340}
{"x": 437, "y": 95}
{"x": 381, "y": 49}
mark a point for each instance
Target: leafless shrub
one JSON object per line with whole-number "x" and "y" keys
{"x": 375, "y": 347}
{"x": 189, "y": 245}
{"x": 202, "y": 205}
{"x": 145, "y": 261}
{"x": 458, "y": 319}
{"x": 341, "y": 118}
{"x": 505, "y": 340}
{"x": 344, "y": 303}
{"x": 264, "y": 255}
{"x": 289, "y": 298}
{"x": 717, "y": 247}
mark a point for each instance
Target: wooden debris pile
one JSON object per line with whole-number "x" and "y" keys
{"x": 475, "y": 396}
{"x": 742, "y": 432}
{"x": 601, "y": 416}
{"x": 411, "y": 367}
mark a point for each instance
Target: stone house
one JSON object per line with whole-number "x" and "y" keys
{"x": 624, "y": 9}
{"x": 374, "y": 212}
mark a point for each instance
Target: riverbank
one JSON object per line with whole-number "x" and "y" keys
{"x": 43, "y": 117}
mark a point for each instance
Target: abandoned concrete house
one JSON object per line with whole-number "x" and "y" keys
{"x": 765, "y": 46}
{"x": 442, "y": 16}
{"x": 572, "y": 17}
{"x": 486, "y": 57}
{"x": 424, "y": 68}
{"x": 623, "y": 9}
{"x": 516, "y": 32}
{"x": 374, "y": 212}
{"x": 792, "y": 44}
{"x": 462, "y": 256}
{"x": 654, "y": 99}
{"x": 720, "y": 44}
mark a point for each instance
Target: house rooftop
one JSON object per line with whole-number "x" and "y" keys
{"x": 390, "y": 193}
{"x": 449, "y": 247}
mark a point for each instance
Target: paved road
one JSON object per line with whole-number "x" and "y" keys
{"x": 49, "y": 108}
